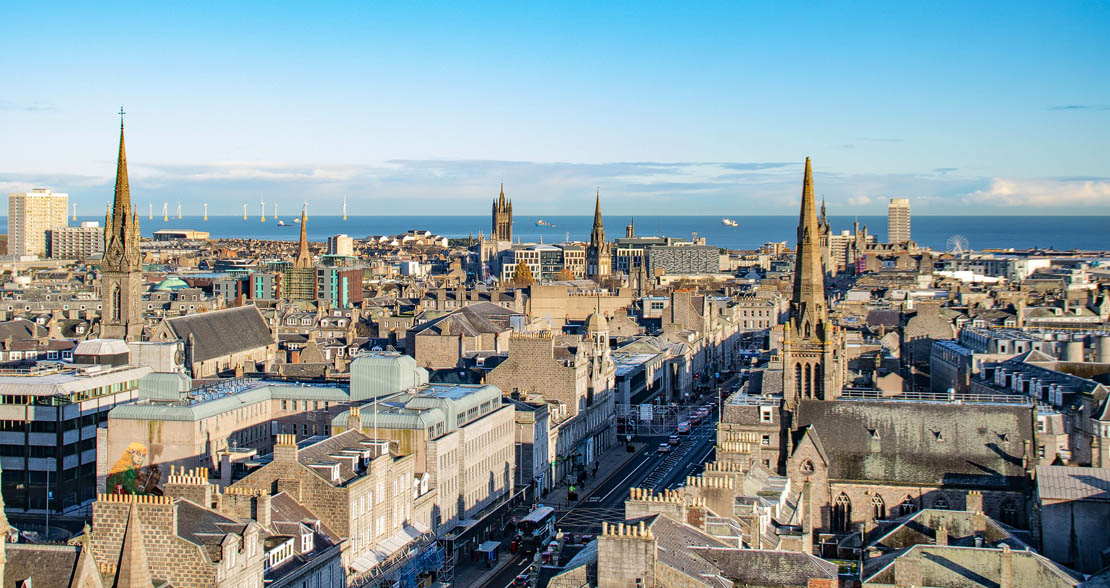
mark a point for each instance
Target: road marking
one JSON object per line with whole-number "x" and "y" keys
{"x": 647, "y": 458}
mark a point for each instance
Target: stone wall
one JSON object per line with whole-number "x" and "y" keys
{"x": 170, "y": 557}
{"x": 625, "y": 554}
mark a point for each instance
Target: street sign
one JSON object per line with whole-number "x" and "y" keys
{"x": 645, "y": 412}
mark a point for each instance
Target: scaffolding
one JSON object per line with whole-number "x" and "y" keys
{"x": 414, "y": 566}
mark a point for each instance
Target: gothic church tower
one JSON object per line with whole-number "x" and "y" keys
{"x": 599, "y": 257}
{"x": 813, "y": 348}
{"x": 502, "y": 218}
{"x": 121, "y": 281}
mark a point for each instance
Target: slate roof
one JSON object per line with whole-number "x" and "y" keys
{"x": 884, "y": 318}
{"x": 223, "y": 332}
{"x": 963, "y": 445}
{"x": 972, "y": 567}
{"x": 674, "y": 546}
{"x": 45, "y": 565}
{"x": 318, "y": 452}
{"x": 1073, "y": 483}
{"x": 758, "y": 567}
{"x": 21, "y": 329}
{"x": 284, "y": 509}
{"x": 921, "y": 529}
{"x": 204, "y": 527}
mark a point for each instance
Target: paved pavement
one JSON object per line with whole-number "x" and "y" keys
{"x": 603, "y": 497}
{"x": 614, "y": 461}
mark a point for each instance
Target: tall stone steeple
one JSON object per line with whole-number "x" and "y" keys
{"x": 597, "y": 236}
{"x": 813, "y": 354}
{"x": 502, "y": 218}
{"x": 121, "y": 280}
{"x": 304, "y": 258}
{"x": 599, "y": 259}
{"x": 807, "y": 306}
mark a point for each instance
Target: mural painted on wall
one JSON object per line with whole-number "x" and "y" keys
{"x": 128, "y": 476}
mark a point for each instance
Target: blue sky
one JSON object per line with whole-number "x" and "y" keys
{"x": 669, "y": 108}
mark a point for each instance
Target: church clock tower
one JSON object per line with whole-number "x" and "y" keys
{"x": 121, "y": 281}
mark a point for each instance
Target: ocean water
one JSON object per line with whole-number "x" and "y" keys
{"x": 982, "y": 232}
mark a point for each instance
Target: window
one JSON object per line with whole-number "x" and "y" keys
{"x": 765, "y": 440}
{"x": 842, "y": 514}
{"x": 878, "y": 507}
{"x": 941, "y": 503}
{"x": 765, "y": 415}
{"x": 807, "y": 467}
{"x": 908, "y": 506}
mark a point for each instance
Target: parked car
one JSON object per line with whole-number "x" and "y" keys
{"x": 664, "y": 448}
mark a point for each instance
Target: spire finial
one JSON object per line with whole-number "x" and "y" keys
{"x": 121, "y": 113}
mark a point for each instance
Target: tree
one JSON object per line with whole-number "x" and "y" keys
{"x": 565, "y": 274}
{"x": 522, "y": 276}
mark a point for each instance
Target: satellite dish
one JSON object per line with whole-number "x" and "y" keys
{"x": 957, "y": 245}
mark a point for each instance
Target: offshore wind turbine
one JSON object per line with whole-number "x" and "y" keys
{"x": 178, "y": 210}
{"x": 262, "y": 203}
{"x": 165, "y": 211}
{"x": 244, "y": 211}
{"x": 205, "y": 211}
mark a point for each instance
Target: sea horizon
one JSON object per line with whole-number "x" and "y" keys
{"x": 982, "y": 232}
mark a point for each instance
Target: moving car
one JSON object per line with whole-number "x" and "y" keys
{"x": 663, "y": 448}
{"x": 683, "y": 428}
{"x": 674, "y": 440}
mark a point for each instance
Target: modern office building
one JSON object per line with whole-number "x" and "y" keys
{"x": 898, "y": 220}
{"x": 49, "y": 417}
{"x": 30, "y": 216}
{"x": 75, "y": 242}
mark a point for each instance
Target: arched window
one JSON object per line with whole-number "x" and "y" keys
{"x": 798, "y": 379}
{"x": 809, "y": 381}
{"x": 941, "y": 503}
{"x": 818, "y": 382}
{"x": 1009, "y": 513}
{"x": 807, "y": 329}
{"x": 842, "y": 514}
{"x": 807, "y": 467}
{"x": 878, "y": 507}
{"x": 117, "y": 303}
{"x": 908, "y": 506}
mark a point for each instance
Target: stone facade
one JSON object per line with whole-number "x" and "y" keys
{"x": 370, "y": 505}
{"x": 173, "y": 555}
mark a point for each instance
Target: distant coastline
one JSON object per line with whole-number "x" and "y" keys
{"x": 1059, "y": 232}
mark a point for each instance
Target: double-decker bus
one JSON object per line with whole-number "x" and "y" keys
{"x": 537, "y": 529}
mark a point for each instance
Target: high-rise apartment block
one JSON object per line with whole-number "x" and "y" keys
{"x": 30, "y": 216}
{"x": 75, "y": 242}
{"x": 341, "y": 245}
{"x": 898, "y": 221}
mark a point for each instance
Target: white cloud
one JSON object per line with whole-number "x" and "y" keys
{"x": 1043, "y": 192}
{"x": 860, "y": 200}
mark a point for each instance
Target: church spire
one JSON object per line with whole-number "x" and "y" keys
{"x": 597, "y": 209}
{"x": 304, "y": 259}
{"x": 597, "y": 236}
{"x": 808, "y": 302}
{"x": 121, "y": 206}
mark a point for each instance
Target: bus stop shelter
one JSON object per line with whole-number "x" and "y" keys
{"x": 487, "y": 552}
